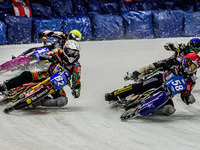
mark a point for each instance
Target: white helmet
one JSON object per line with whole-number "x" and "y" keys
{"x": 71, "y": 50}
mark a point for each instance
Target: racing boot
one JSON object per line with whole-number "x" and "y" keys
{"x": 57, "y": 102}
{"x": 168, "y": 110}
{"x": 13, "y": 57}
{"x": 110, "y": 97}
{"x": 51, "y": 102}
{"x": 2, "y": 89}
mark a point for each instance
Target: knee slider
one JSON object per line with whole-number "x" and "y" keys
{"x": 61, "y": 101}
{"x": 168, "y": 110}
{"x": 58, "y": 102}
{"x": 191, "y": 99}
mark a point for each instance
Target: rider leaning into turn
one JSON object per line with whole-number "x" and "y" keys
{"x": 67, "y": 60}
{"x": 181, "y": 50}
{"x": 187, "y": 69}
{"x": 60, "y": 36}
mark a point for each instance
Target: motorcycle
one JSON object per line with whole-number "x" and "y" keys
{"x": 31, "y": 93}
{"x": 23, "y": 60}
{"x": 153, "y": 99}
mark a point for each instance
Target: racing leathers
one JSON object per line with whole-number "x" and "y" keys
{"x": 58, "y": 98}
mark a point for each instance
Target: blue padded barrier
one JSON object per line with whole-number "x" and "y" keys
{"x": 138, "y": 6}
{"x": 93, "y": 6}
{"x": 192, "y": 24}
{"x": 138, "y": 24}
{"x": 147, "y": 6}
{"x": 6, "y": 8}
{"x": 163, "y": 5}
{"x": 197, "y": 6}
{"x": 2, "y": 33}
{"x": 107, "y": 27}
{"x": 131, "y": 6}
{"x": 61, "y": 7}
{"x": 188, "y": 5}
{"x": 40, "y": 25}
{"x": 40, "y": 11}
{"x": 157, "y": 5}
{"x": 19, "y": 29}
{"x": 79, "y": 6}
{"x": 109, "y": 8}
{"x": 168, "y": 23}
{"x": 81, "y": 23}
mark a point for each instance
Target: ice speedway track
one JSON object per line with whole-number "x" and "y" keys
{"x": 88, "y": 123}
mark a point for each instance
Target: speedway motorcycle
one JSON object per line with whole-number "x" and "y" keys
{"x": 31, "y": 93}
{"x": 153, "y": 99}
{"x": 24, "y": 60}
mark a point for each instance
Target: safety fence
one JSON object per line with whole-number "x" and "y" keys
{"x": 100, "y": 20}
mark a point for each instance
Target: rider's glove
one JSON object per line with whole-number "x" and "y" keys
{"x": 132, "y": 76}
{"x": 128, "y": 76}
{"x": 54, "y": 59}
{"x": 76, "y": 93}
{"x": 170, "y": 47}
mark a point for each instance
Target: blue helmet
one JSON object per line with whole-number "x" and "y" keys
{"x": 194, "y": 45}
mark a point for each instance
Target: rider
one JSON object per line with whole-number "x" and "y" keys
{"x": 180, "y": 51}
{"x": 61, "y": 36}
{"x": 68, "y": 60}
{"x": 187, "y": 69}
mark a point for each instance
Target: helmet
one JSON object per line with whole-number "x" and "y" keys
{"x": 190, "y": 63}
{"x": 194, "y": 45}
{"x": 71, "y": 50}
{"x": 75, "y": 35}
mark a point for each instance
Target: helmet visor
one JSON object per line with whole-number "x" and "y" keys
{"x": 191, "y": 67}
{"x": 74, "y": 37}
{"x": 195, "y": 49}
{"x": 70, "y": 52}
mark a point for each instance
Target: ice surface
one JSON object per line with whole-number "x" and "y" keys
{"x": 87, "y": 123}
